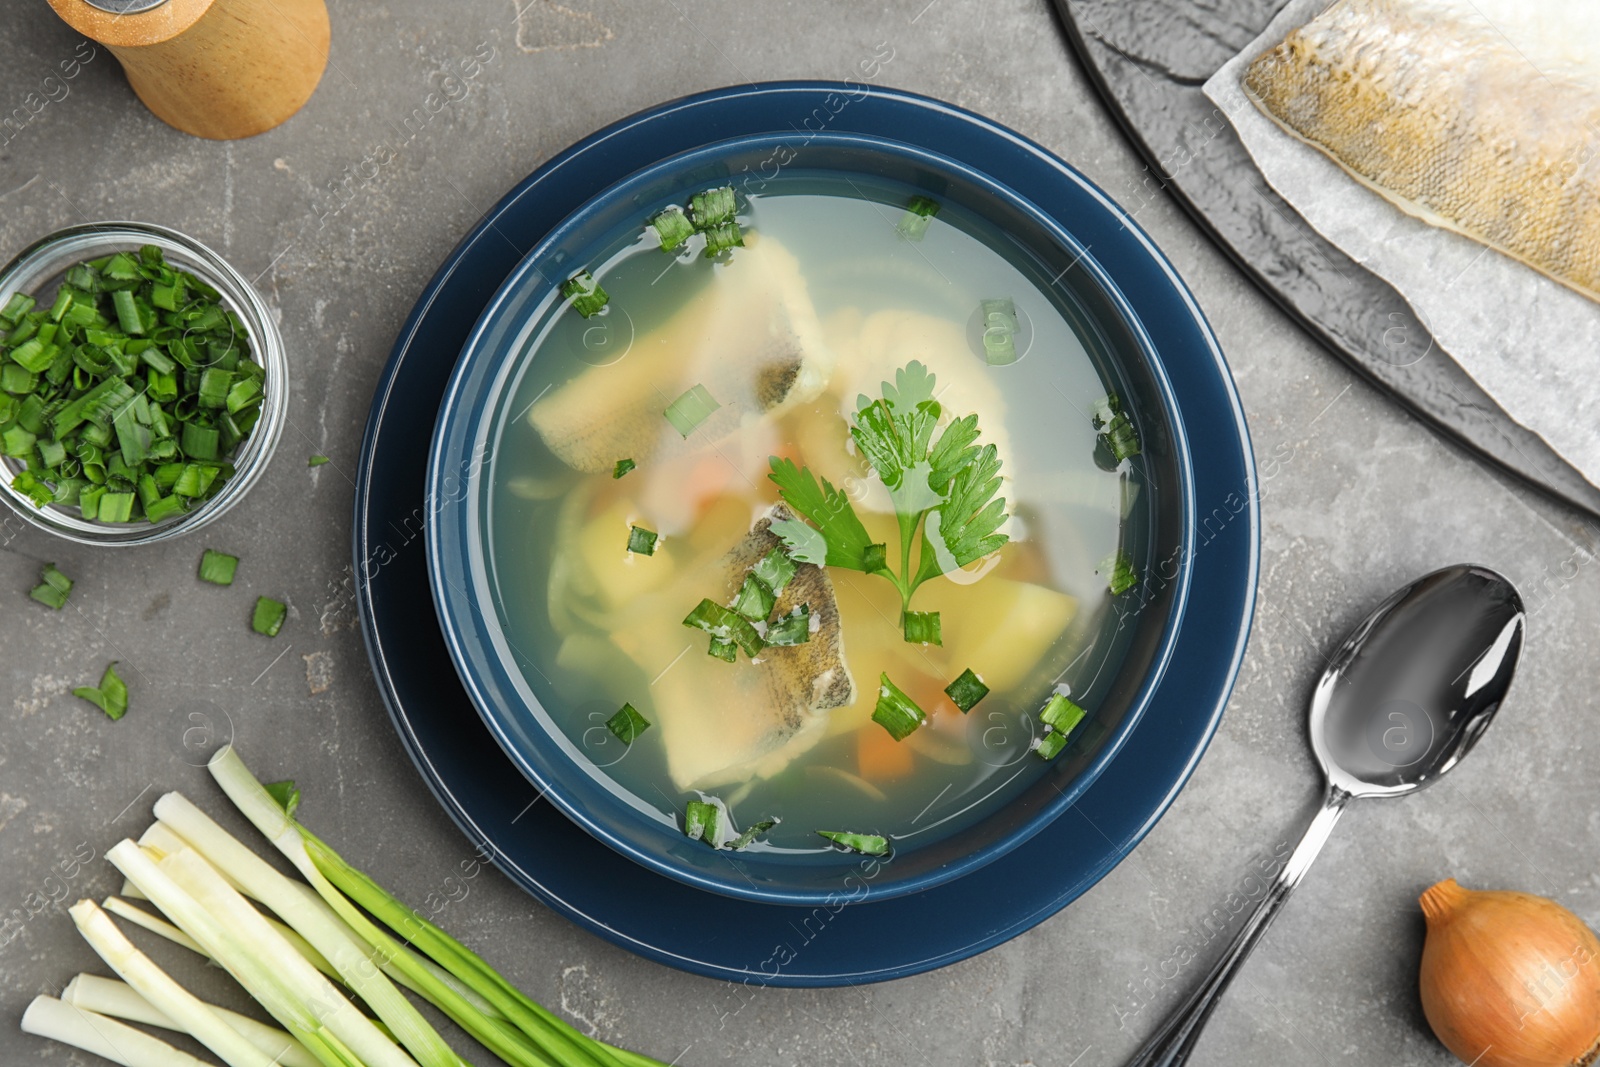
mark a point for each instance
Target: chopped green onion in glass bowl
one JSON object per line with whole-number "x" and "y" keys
{"x": 143, "y": 384}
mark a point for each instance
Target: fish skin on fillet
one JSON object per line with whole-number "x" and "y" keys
{"x": 1478, "y": 116}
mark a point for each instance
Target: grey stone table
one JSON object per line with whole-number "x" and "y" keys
{"x": 343, "y": 213}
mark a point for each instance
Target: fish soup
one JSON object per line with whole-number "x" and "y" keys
{"x": 831, "y": 530}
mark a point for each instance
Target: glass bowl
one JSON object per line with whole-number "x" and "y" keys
{"x": 39, "y": 269}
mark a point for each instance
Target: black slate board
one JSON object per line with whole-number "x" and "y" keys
{"x": 1149, "y": 59}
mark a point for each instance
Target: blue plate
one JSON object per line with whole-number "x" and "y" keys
{"x": 545, "y": 852}
{"x": 482, "y": 411}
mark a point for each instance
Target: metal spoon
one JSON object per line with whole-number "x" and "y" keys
{"x": 1405, "y": 696}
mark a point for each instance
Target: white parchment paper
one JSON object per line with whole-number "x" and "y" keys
{"x": 1533, "y": 344}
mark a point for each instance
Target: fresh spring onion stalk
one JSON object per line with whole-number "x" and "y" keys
{"x": 526, "y": 1035}
{"x": 190, "y": 826}
{"x": 191, "y": 1014}
{"x": 269, "y": 968}
{"x": 158, "y": 926}
{"x": 105, "y": 996}
{"x": 110, "y": 1040}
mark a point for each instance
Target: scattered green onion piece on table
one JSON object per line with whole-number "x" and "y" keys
{"x": 713, "y": 207}
{"x": 721, "y": 238}
{"x": 791, "y": 629}
{"x": 623, "y": 467}
{"x": 627, "y": 724}
{"x": 725, "y": 624}
{"x": 110, "y": 696}
{"x": 999, "y": 331}
{"x": 585, "y": 294}
{"x": 687, "y": 412}
{"x": 53, "y": 588}
{"x": 268, "y": 616}
{"x": 776, "y": 569}
{"x": 866, "y": 844}
{"x": 895, "y": 711}
{"x": 922, "y": 628}
{"x": 673, "y": 227}
{"x": 966, "y": 690}
{"x": 1119, "y": 572}
{"x": 752, "y": 832}
{"x": 316, "y": 461}
{"x": 642, "y": 541}
{"x": 919, "y": 212}
{"x": 217, "y": 567}
{"x": 754, "y": 600}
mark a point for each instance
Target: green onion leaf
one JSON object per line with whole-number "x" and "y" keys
{"x": 966, "y": 690}
{"x": 999, "y": 331}
{"x": 776, "y": 569}
{"x": 627, "y": 724}
{"x": 922, "y": 628}
{"x": 642, "y": 541}
{"x": 128, "y": 316}
{"x": 1120, "y": 437}
{"x": 111, "y": 696}
{"x": 726, "y": 625}
{"x": 286, "y": 793}
{"x": 721, "y": 238}
{"x": 316, "y": 461}
{"x": 164, "y": 508}
{"x": 116, "y": 507}
{"x": 30, "y": 486}
{"x": 691, "y": 409}
{"x": 867, "y": 844}
{"x": 623, "y": 467}
{"x": 919, "y": 212}
{"x": 700, "y": 820}
{"x": 214, "y": 386}
{"x": 585, "y": 294}
{"x": 754, "y": 600}
{"x": 673, "y": 227}
{"x": 200, "y": 442}
{"x": 17, "y": 306}
{"x": 217, "y": 567}
{"x": 754, "y": 831}
{"x": 791, "y": 629}
{"x": 268, "y": 616}
{"x": 1060, "y": 717}
{"x": 53, "y": 588}
{"x": 714, "y": 207}
{"x": 895, "y": 711}
{"x": 1119, "y": 572}
{"x": 726, "y": 651}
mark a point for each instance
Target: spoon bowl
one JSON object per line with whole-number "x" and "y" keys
{"x": 1413, "y": 687}
{"x": 1404, "y": 697}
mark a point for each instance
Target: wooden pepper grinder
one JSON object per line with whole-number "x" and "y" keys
{"x": 221, "y": 69}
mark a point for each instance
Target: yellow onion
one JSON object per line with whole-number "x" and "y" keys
{"x": 1510, "y": 979}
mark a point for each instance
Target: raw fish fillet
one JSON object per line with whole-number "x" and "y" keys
{"x": 751, "y": 337}
{"x": 1479, "y": 116}
{"x": 777, "y": 709}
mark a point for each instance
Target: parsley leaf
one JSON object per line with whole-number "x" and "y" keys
{"x": 838, "y": 539}
{"x": 946, "y": 486}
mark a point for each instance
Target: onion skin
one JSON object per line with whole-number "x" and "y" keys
{"x": 1510, "y": 979}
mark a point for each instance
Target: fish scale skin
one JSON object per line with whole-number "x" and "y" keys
{"x": 1451, "y": 123}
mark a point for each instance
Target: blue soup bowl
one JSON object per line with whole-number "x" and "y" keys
{"x": 477, "y": 408}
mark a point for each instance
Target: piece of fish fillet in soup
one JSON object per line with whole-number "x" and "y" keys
{"x": 722, "y": 722}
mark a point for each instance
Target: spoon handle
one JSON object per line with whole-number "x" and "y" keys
{"x": 1172, "y": 1045}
